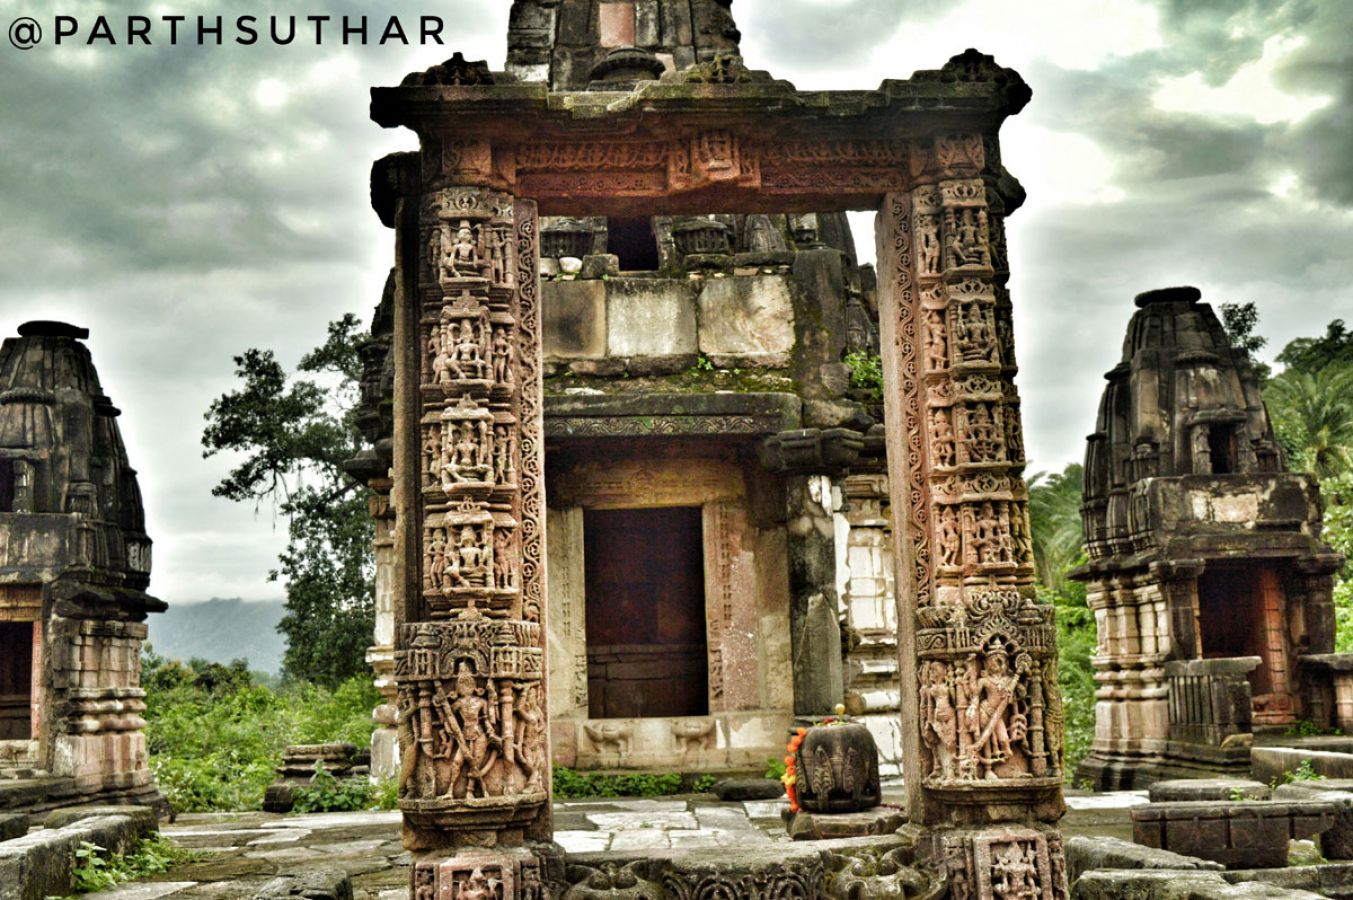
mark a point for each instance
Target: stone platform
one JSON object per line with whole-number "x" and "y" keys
{"x": 250, "y": 850}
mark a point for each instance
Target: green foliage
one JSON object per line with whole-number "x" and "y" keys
{"x": 325, "y": 793}
{"x": 775, "y": 767}
{"x": 294, "y": 436}
{"x": 1307, "y": 728}
{"x": 1076, "y": 676}
{"x": 1239, "y": 320}
{"x": 704, "y": 784}
{"x": 1055, "y": 518}
{"x": 1313, "y": 419}
{"x": 387, "y": 795}
{"x": 1303, "y": 772}
{"x": 214, "y": 744}
{"x": 98, "y": 870}
{"x": 866, "y": 372}
{"x": 703, "y": 364}
{"x": 1311, "y": 355}
{"x": 571, "y": 784}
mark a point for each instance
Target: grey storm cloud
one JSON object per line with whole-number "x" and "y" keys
{"x": 187, "y": 203}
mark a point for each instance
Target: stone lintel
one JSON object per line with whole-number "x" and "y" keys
{"x": 670, "y": 414}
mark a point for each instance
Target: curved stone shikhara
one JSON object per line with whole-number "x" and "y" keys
{"x": 474, "y": 763}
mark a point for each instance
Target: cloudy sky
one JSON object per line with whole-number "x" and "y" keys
{"x": 187, "y": 202}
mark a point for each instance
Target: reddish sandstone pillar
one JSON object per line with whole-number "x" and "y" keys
{"x": 981, "y": 709}
{"x": 473, "y": 728}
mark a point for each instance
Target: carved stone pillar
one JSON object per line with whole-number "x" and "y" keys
{"x": 381, "y": 654}
{"x": 978, "y": 657}
{"x": 871, "y": 615}
{"x": 815, "y": 629}
{"x": 473, "y": 721}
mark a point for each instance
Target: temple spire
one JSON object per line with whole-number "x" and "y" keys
{"x": 567, "y": 42}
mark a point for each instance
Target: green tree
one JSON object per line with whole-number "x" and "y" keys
{"x": 1313, "y": 418}
{"x": 1240, "y": 320}
{"x": 1055, "y": 517}
{"x": 1310, "y": 355}
{"x": 295, "y": 434}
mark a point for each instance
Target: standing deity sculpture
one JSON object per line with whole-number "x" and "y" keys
{"x": 940, "y": 720}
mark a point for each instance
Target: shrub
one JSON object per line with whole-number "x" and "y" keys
{"x": 215, "y": 741}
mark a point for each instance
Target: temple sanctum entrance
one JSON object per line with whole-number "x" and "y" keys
{"x": 16, "y": 681}
{"x": 646, "y": 648}
{"x": 1241, "y": 612}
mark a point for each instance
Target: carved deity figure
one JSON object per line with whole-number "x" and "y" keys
{"x": 462, "y": 260}
{"x": 951, "y": 540}
{"x": 436, "y": 249}
{"x": 530, "y": 749}
{"x": 432, "y": 452}
{"x": 940, "y": 720}
{"x": 503, "y": 470}
{"x": 1014, "y": 873}
{"x": 445, "y": 369}
{"x": 477, "y": 887}
{"x": 468, "y": 718}
{"x": 424, "y": 883}
{"x": 966, "y": 238}
{"x": 928, "y": 239}
{"x": 502, "y": 560}
{"x": 986, "y": 535}
{"x": 995, "y": 700}
{"x": 471, "y": 553}
{"x": 502, "y": 357}
{"x": 966, "y": 695}
{"x": 437, "y": 559}
{"x": 936, "y": 343}
{"x": 974, "y": 333}
{"x": 468, "y": 352}
{"x": 942, "y": 438}
{"x": 980, "y": 434}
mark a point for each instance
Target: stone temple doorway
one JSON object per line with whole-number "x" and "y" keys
{"x": 645, "y": 589}
{"x": 16, "y": 681}
{"x": 1241, "y": 612}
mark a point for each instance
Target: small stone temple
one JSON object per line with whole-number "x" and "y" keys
{"x": 719, "y": 551}
{"x": 632, "y": 511}
{"x": 1208, "y": 580}
{"x": 74, "y": 567}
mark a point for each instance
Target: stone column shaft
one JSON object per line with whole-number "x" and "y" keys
{"x": 473, "y": 719}
{"x": 977, "y": 652}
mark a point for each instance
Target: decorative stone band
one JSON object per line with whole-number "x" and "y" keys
{"x": 472, "y": 720}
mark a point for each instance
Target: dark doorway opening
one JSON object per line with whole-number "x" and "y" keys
{"x": 633, "y": 240}
{"x": 1219, "y": 450}
{"x": 1239, "y": 614}
{"x": 16, "y": 681}
{"x": 645, "y": 583}
{"x": 8, "y": 483}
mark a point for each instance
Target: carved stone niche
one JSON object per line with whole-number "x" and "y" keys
{"x": 481, "y": 875}
{"x": 1008, "y": 863}
{"x": 474, "y": 757}
{"x": 990, "y": 713}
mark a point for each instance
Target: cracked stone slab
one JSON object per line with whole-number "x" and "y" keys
{"x": 655, "y": 819}
{"x": 142, "y": 890}
{"x": 582, "y": 841}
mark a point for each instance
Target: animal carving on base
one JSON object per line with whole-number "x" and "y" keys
{"x": 610, "y": 737}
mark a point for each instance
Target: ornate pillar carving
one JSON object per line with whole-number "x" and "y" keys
{"x": 977, "y": 652}
{"x": 474, "y": 748}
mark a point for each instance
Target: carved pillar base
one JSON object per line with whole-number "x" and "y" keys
{"x": 473, "y": 874}
{"x": 1008, "y": 861}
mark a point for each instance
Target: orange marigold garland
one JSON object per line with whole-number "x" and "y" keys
{"x": 790, "y": 778}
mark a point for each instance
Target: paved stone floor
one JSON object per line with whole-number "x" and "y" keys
{"x": 247, "y": 849}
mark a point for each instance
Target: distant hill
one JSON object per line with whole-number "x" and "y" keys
{"x": 221, "y": 630}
